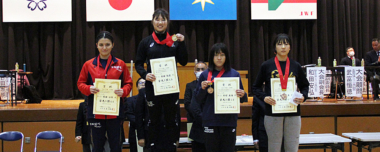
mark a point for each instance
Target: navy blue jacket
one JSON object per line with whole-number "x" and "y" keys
{"x": 81, "y": 127}
{"x": 141, "y": 115}
{"x": 206, "y": 100}
{"x": 190, "y": 87}
{"x": 196, "y": 132}
{"x": 130, "y": 114}
{"x": 258, "y": 128}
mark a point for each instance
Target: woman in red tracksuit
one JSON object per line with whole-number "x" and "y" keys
{"x": 104, "y": 66}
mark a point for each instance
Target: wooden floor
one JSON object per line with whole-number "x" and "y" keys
{"x": 337, "y": 117}
{"x": 45, "y": 105}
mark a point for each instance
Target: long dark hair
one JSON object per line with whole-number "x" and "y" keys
{"x": 282, "y": 37}
{"x": 217, "y": 48}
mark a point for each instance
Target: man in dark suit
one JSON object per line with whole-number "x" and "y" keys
{"x": 130, "y": 113}
{"x": 348, "y": 59}
{"x": 259, "y": 133}
{"x": 81, "y": 128}
{"x": 194, "y": 113}
{"x": 372, "y": 59}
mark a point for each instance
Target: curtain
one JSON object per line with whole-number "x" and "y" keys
{"x": 55, "y": 52}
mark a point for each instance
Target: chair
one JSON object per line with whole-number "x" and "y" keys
{"x": 13, "y": 136}
{"x": 49, "y": 135}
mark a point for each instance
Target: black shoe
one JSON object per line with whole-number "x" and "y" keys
{"x": 376, "y": 98}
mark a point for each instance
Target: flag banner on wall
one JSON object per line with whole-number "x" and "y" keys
{"x": 119, "y": 10}
{"x": 37, "y": 11}
{"x": 202, "y": 9}
{"x": 283, "y": 9}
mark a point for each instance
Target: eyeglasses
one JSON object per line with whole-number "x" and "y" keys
{"x": 142, "y": 82}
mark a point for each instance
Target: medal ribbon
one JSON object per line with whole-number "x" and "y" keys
{"x": 106, "y": 68}
{"x": 219, "y": 75}
{"x": 168, "y": 40}
{"x": 283, "y": 80}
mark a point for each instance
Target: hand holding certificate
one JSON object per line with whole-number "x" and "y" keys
{"x": 283, "y": 97}
{"x": 225, "y": 95}
{"x": 166, "y": 77}
{"x": 106, "y": 101}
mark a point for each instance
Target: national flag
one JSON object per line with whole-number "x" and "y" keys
{"x": 119, "y": 10}
{"x": 37, "y": 10}
{"x": 202, "y": 9}
{"x": 283, "y": 9}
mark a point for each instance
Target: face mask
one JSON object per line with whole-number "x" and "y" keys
{"x": 197, "y": 74}
{"x": 351, "y": 53}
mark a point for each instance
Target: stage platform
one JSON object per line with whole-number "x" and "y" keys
{"x": 66, "y": 110}
{"x": 329, "y": 116}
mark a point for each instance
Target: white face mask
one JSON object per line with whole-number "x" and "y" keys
{"x": 351, "y": 53}
{"x": 197, "y": 74}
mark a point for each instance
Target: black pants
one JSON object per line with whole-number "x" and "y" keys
{"x": 86, "y": 148}
{"x": 220, "y": 139}
{"x": 99, "y": 128}
{"x": 263, "y": 149}
{"x": 198, "y": 147}
{"x": 166, "y": 105}
{"x": 132, "y": 139}
{"x": 375, "y": 88}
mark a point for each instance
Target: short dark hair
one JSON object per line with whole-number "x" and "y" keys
{"x": 199, "y": 63}
{"x": 350, "y": 47}
{"x": 282, "y": 37}
{"x": 218, "y": 48}
{"x": 105, "y": 35}
{"x": 161, "y": 12}
{"x": 375, "y": 39}
{"x": 137, "y": 82}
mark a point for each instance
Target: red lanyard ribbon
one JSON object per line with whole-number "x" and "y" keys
{"x": 168, "y": 40}
{"x": 219, "y": 75}
{"x": 283, "y": 80}
{"x": 105, "y": 69}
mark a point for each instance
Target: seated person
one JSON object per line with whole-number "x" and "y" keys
{"x": 194, "y": 110}
{"x": 259, "y": 133}
{"x": 372, "y": 59}
{"x": 130, "y": 114}
{"x": 348, "y": 59}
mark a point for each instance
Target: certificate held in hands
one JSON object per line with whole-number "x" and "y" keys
{"x": 283, "y": 97}
{"x": 106, "y": 102}
{"x": 165, "y": 70}
{"x": 225, "y": 98}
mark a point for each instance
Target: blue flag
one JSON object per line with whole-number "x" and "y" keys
{"x": 202, "y": 9}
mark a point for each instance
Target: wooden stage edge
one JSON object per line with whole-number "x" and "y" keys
{"x": 66, "y": 110}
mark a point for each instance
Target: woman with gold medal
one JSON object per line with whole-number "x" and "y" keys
{"x": 220, "y": 129}
{"x": 160, "y": 45}
{"x": 280, "y": 126}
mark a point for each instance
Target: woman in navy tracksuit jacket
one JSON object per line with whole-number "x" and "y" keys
{"x": 104, "y": 66}
{"x": 220, "y": 129}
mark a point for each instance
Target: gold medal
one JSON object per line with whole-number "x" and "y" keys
{"x": 210, "y": 90}
{"x": 174, "y": 37}
{"x": 284, "y": 96}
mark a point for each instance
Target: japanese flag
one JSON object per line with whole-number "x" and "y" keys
{"x": 119, "y": 10}
{"x": 36, "y": 10}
